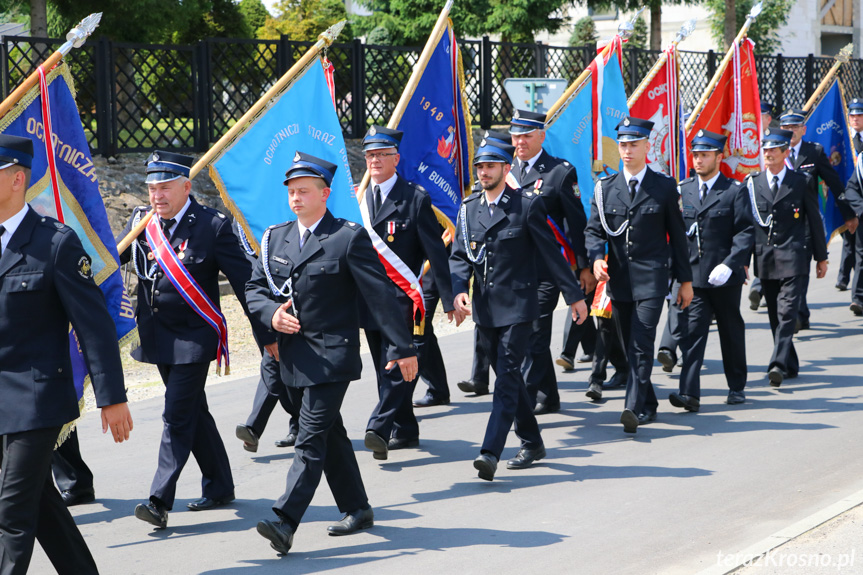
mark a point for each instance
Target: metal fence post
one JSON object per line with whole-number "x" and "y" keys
{"x": 284, "y": 56}
{"x": 358, "y": 88}
{"x": 810, "y": 72}
{"x": 711, "y": 64}
{"x": 633, "y": 69}
{"x": 106, "y": 146}
{"x": 4, "y": 68}
{"x": 539, "y": 59}
{"x": 203, "y": 104}
{"x": 485, "y": 91}
{"x": 780, "y": 83}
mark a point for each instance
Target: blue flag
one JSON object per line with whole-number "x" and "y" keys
{"x": 250, "y": 172}
{"x": 827, "y": 126}
{"x": 436, "y": 150}
{"x": 80, "y": 201}
{"x": 571, "y": 136}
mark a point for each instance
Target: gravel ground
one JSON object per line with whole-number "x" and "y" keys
{"x": 143, "y": 381}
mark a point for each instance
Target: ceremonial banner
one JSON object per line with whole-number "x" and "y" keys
{"x": 250, "y": 171}
{"x": 734, "y": 110}
{"x": 78, "y": 202}
{"x": 437, "y": 148}
{"x": 827, "y": 125}
{"x": 659, "y": 102}
{"x": 584, "y": 133}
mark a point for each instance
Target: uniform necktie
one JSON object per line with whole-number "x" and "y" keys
{"x": 378, "y": 201}
{"x": 703, "y": 191}
{"x": 305, "y": 238}
{"x": 166, "y": 225}
{"x": 2, "y": 231}
{"x": 774, "y": 188}
{"x": 858, "y": 141}
{"x": 793, "y": 157}
{"x": 523, "y": 174}
{"x": 633, "y": 183}
{"x": 491, "y": 209}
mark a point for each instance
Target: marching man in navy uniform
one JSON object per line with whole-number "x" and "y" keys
{"x": 555, "y": 182}
{"x": 788, "y": 233}
{"x": 307, "y": 286}
{"x": 46, "y": 282}
{"x": 718, "y": 219}
{"x": 810, "y": 158}
{"x": 500, "y": 234}
{"x": 847, "y": 263}
{"x": 399, "y": 218}
{"x": 855, "y": 125}
{"x": 183, "y": 330}
{"x": 636, "y": 212}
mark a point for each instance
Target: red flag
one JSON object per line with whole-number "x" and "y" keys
{"x": 734, "y": 109}
{"x": 659, "y": 102}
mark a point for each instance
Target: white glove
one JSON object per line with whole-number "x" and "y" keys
{"x": 719, "y": 275}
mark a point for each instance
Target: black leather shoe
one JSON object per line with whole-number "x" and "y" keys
{"x": 594, "y": 392}
{"x": 525, "y": 457}
{"x": 249, "y": 437}
{"x": 667, "y": 359}
{"x": 545, "y": 408}
{"x": 402, "y": 443}
{"x": 353, "y": 522}
{"x": 428, "y": 400}
{"x": 629, "y": 421}
{"x": 72, "y": 498}
{"x": 754, "y": 300}
{"x": 566, "y": 362}
{"x": 842, "y": 286}
{"x": 289, "y": 441}
{"x": 205, "y": 503}
{"x": 585, "y": 358}
{"x": 647, "y": 417}
{"x": 687, "y": 402}
{"x": 473, "y": 387}
{"x": 279, "y": 533}
{"x": 856, "y": 308}
{"x": 152, "y": 513}
{"x": 617, "y": 380}
{"x": 377, "y": 444}
{"x": 735, "y": 397}
{"x": 776, "y": 376}
{"x": 486, "y": 465}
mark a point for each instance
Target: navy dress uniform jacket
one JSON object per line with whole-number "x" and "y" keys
{"x": 813, "y": 160}
{"x": 45, "y": 283}
{"x": 171, "y": 332}
{"x": 417, "y": 238}
{"x": 638, "y": 259}
{"x": 797, "y": 228}
{"x": 505, "y": 286}
{"x": 556, "y": 182}
{"x": 725, "y": 229}
{"x": 336, "y": 267}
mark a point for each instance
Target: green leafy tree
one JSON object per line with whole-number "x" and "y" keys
{"x": 254, "y": 13}
{"x": 410, "y": 21}
{"x": 764, "y": 30}
{"x": 584, "y": 32}
{"x": 305, "y": 19}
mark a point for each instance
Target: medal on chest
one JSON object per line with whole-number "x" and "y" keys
{"x": 537, "y": 186}
{"x": 391, "y": 229}
{"x": 796, "y": 213}
{"x": 181, "y": 251}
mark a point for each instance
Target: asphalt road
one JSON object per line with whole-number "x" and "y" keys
{"x": 678, "y": 497}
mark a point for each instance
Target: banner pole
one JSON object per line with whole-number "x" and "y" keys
{"x": 843, "y": 56}
{"x": 324, "y": 40}
{"x": 682, "y": 35}
{"x": 756, "y": 10}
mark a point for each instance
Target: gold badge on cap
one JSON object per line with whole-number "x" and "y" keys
{"x": 297, "y": 157}
{"x": 372, "y": 131}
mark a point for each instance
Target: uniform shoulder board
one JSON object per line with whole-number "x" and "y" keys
{"x": 472, "y": 197}
{"x": 213, "y": 211}
{"x": 608, "y": 177}
{"x": 754, "y": 174}
{"x": 687, "y": 180}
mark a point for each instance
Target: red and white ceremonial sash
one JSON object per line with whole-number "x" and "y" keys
{"x": 189, "y": 289}
{"x": 330, "y": 75}
{"x": 396, "y": 269}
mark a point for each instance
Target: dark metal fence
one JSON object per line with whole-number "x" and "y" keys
{"x": 134, "y": 97}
